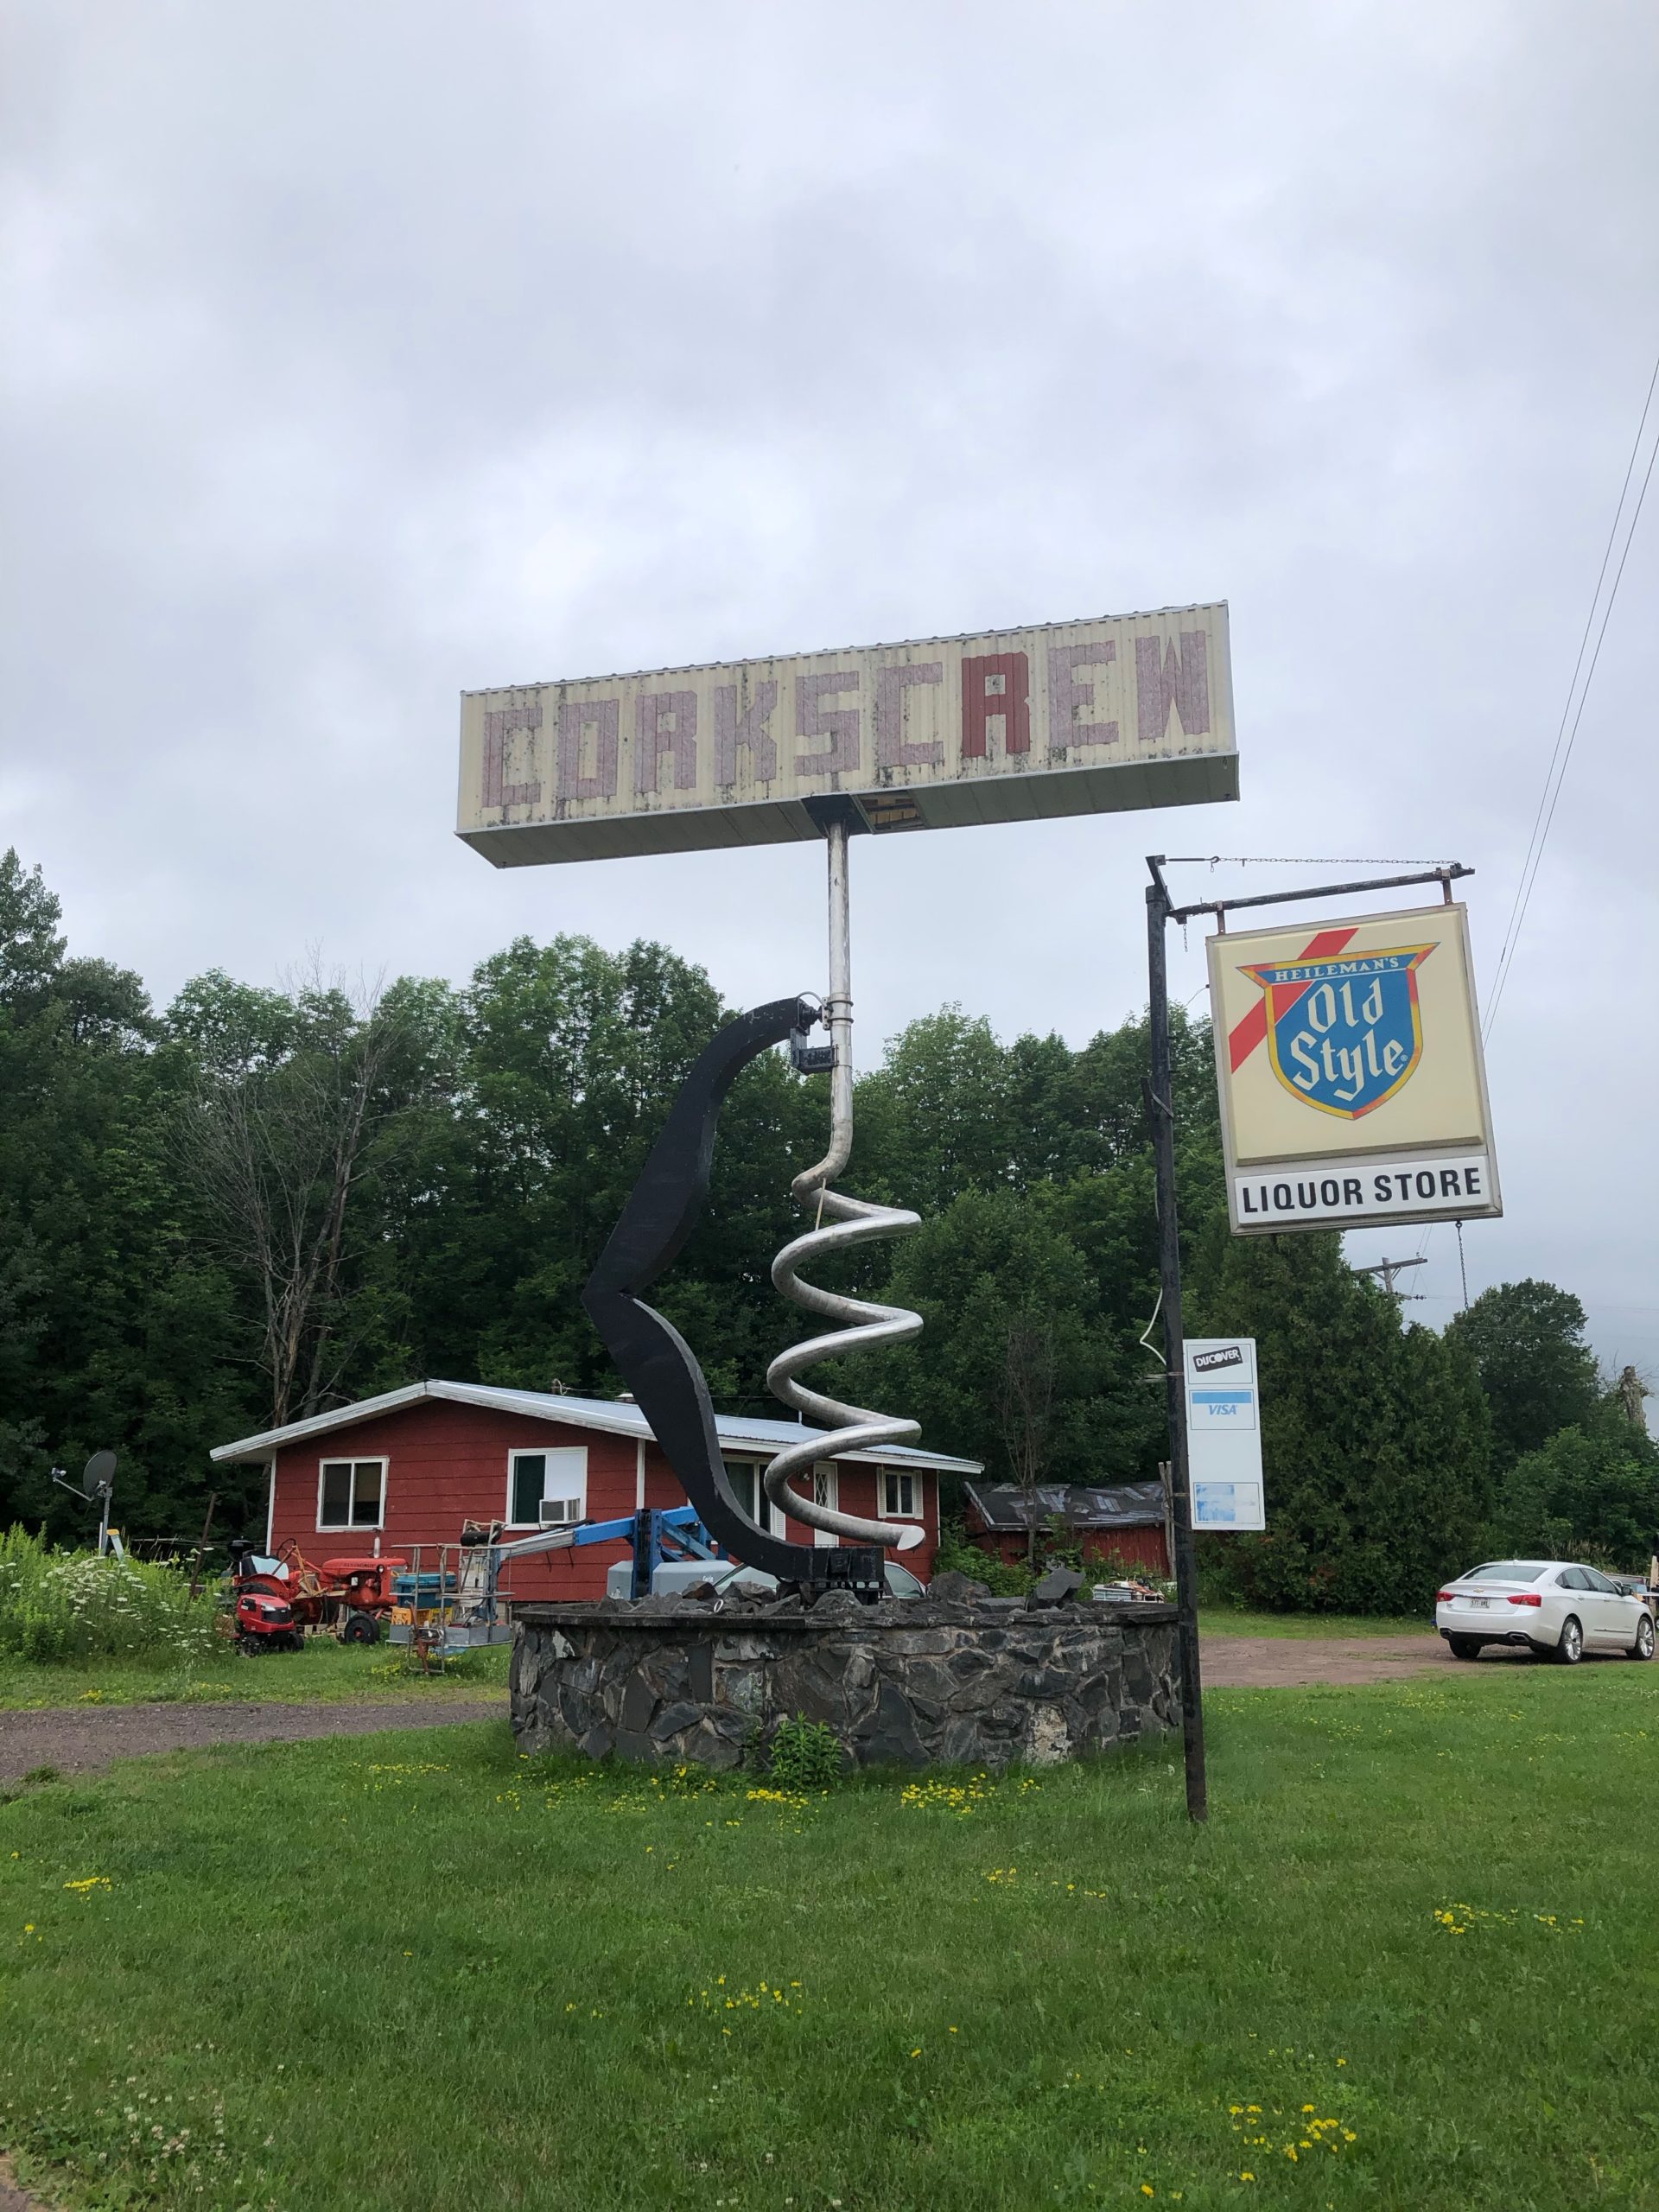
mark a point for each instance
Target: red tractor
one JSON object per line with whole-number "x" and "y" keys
{"x": 274, "y": 1601}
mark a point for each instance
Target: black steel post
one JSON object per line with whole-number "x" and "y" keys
{"x": 1162, "y": 1104}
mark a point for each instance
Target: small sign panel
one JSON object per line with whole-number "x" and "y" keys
{"x": 1223, "y": 1433}
{"x": 1352, "y": 1083}
{"x": 1133, "y": 710}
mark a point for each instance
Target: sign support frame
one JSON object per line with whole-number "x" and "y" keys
{"x": 1161, "y": 910}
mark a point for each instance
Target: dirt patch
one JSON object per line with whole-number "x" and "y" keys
{"x": 79, "y": 1743}
{"x": 1292, "y": 1662}
{"x": 12, "y": 2198}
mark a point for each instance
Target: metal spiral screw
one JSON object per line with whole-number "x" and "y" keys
{"x": 864, "y": 1323}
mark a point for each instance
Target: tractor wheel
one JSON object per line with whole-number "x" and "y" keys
{"x": 359, "y": 1628}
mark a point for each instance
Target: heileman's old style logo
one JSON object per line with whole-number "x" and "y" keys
{"x": 1344, "y": 1031}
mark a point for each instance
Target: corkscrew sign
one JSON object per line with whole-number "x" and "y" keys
{"x": 1019, "y": 725}
{"x": 1353, "y": 1087}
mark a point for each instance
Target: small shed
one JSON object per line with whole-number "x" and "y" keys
{"x": 1127, "y": 1523}
{"x": 408, "y": 1467}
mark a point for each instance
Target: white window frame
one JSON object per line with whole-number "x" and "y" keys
{"x": 355, "y": 1460}
{"x": 913, "y": 1476}
{"x": 545, "y": 1452}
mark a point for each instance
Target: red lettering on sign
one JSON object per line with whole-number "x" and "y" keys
{"x": 843, "y": 754}
{"x": 1161, "y": 679}
{"x": 664, "y": 720}
{"x": 891, "y": 685}
{"x": 995, "y": 687}
{"x": 750, "y": 728}
{"x": 1068, "y": 701}
{"x": 574, "y": 717}
{"x": 499, "y": 723}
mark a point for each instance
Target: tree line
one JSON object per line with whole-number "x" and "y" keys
{"x": 257, "y": 1203}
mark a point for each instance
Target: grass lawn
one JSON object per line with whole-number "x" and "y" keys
{"x": 324, "y": 1673}
{"x": 1409, "y": 1963}
{"x": 1223, "y": 1620}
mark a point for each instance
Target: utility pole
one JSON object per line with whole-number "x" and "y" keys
{"x": 1388, "y": 1269}
{"x": 1162, "y": 1106}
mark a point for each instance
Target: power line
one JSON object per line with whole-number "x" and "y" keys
{"x": 1567, "y": 734}
{"x": 1283, "y": 860}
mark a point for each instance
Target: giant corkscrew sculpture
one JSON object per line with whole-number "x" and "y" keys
{"x": 658, "y": 1364}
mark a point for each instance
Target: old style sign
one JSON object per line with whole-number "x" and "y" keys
{"x": 1134, "y": 711}
{"x": 1353, "y": 1087}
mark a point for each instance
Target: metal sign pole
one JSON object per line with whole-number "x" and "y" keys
{"x": 1162, "y": 1105}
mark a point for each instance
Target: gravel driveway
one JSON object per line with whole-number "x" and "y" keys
{"x": 1293, "y": 1662}
{"x": 78, "y": 1742}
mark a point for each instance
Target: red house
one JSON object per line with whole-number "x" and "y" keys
{"x": 408, "y": 1468}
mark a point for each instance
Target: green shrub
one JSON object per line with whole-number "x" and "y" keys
{"x": 1002, "y": 1578}
{"x": 805, "y": 1755}
{"x": 66, "y": 1606}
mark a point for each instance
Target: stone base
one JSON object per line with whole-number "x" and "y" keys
{"x": 912, "y": 1682}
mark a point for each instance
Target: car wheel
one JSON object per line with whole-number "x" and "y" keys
{"x": 1642, "y": 1647}
{"x": 1465, "y": 1647}
{"x": 1570, "y": 1649}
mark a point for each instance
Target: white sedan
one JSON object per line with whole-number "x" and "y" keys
{"x": 1553, "y": 1606}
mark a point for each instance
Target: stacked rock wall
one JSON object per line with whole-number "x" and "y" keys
{"x": 917, "y": 1682}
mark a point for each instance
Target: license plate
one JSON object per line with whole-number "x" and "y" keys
{"x": 1481, "y": 1604}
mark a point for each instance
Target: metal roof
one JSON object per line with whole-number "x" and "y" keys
{"x": 612, "y": 1416}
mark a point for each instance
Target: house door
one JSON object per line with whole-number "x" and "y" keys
{"x": 825, "y": 1492}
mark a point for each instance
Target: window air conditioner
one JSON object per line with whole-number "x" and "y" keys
{"x": 559, "y": 1512}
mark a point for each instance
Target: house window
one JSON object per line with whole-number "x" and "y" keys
{"x": 744, "y": 1476}
{"x": 351, "y": 1493}
{"x": 901, "y": 1494}
{"x": 547, "y": 1490}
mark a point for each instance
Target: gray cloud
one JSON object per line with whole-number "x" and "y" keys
{"x": 356, "y": 354}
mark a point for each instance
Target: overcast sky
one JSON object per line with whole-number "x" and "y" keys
{"x": 355, "y": 354}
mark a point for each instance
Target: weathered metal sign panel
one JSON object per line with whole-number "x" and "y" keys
{"x": 1352, "y": 1082}
{"x": 1011, "y": 726}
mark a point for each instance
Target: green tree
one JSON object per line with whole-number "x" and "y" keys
{"x": 1527, "y": 1341}
{"x": 114, "y": 1323}
{"x": 1010, "y": 1330}
{"x": 294, "y": 1111}
{"x": 1375, "y": 1445}
{"x": 1588, "y": 1493}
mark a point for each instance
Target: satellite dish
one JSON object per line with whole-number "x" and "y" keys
{"x": 97, "y": 1481}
